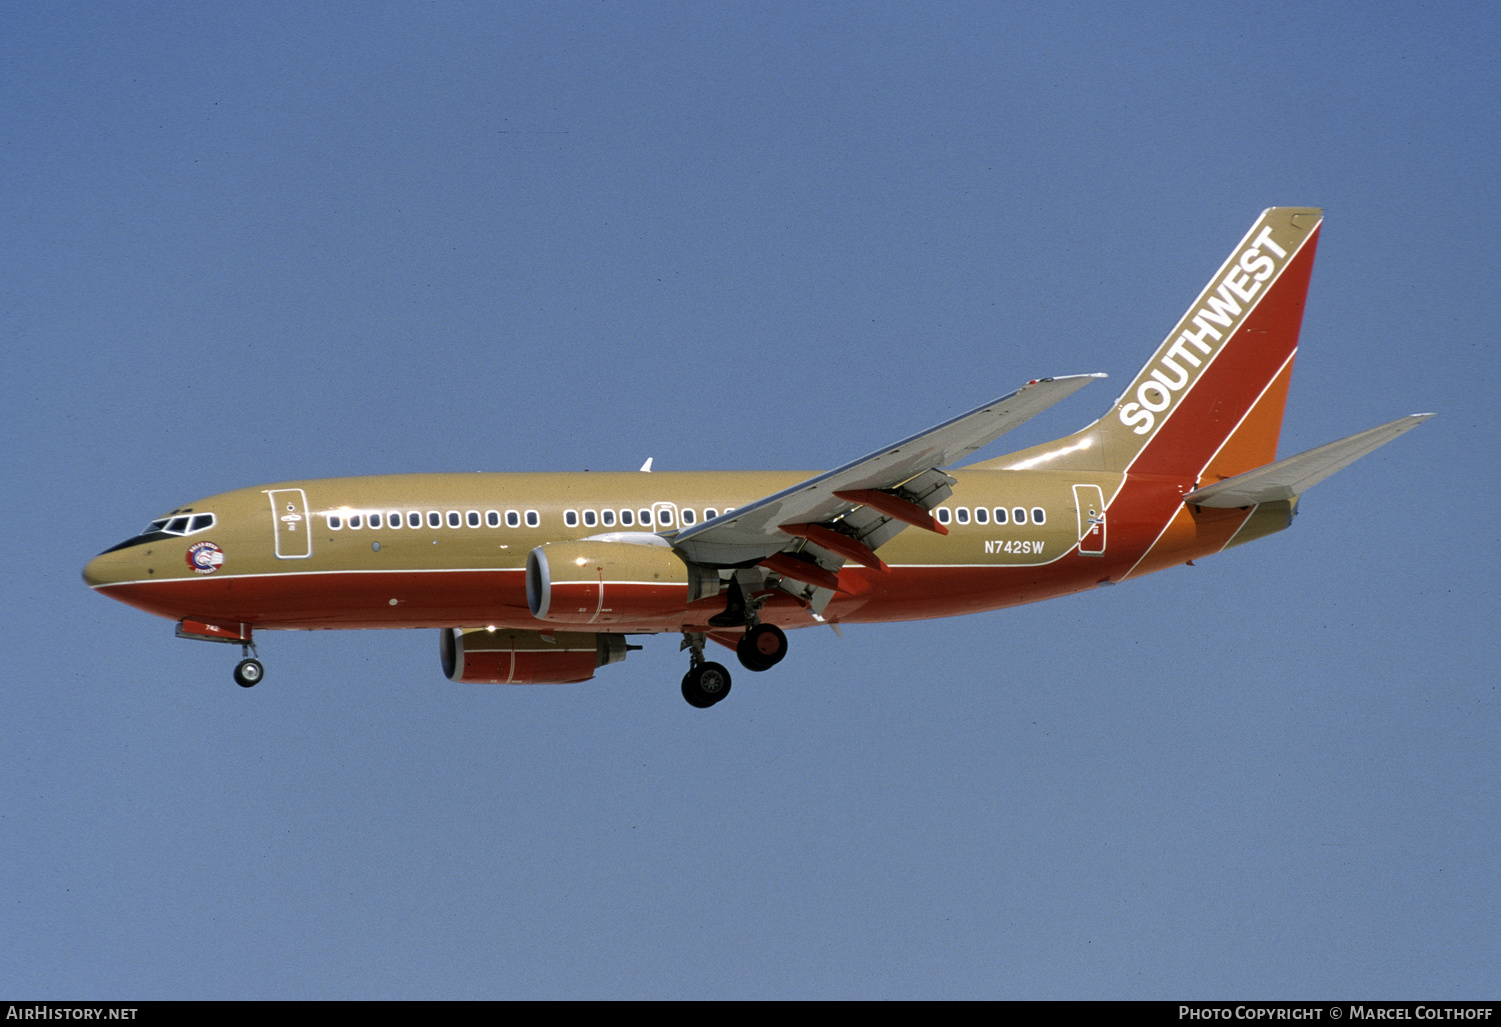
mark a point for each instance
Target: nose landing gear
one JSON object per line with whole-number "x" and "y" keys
{"x": 248, "y": 672}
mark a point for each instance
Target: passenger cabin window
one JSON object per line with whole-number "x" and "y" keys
{"x": 434, "y": 519}
{"x": 1001, "y": 517}
{"x": 943, "y": 515}
{"x": 394, "y": 518}
{"x": 376, "y": 520}
{"x": 664, "y": 518}
{"x": 492, "y": 518}
{"x": 710, "y": 513}
{"x": 472, "y": 518}
{"x": 590, "y": 518}
{"x": 645, "y": 516}
{"x": 688, "y": 517}
{"x": 513, "y": 519}
{"x": 414, "y": 519}
{"x": 335, "y": 522}
{"x": 962, "y": 515}
{"x": 533, "y": 519}
{"x": 1039, "y": 516}
{"x": 571, "y": 518}
{"x": 454, "y": 520}
{"x": 608, "y": 517}
{"x": 627, "y": 518}
{"x": 1019, "y": 515}
{"x": 981, "y": 515}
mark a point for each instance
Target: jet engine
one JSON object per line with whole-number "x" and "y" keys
{"x": 502, "y": 656}
{"x": 606, "y": 582}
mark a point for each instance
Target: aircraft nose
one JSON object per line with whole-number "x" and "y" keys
{"x": 96, "y": 571}
{"x": 108, "y": 568}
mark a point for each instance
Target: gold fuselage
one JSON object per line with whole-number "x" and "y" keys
{"x": 343, "y": 572}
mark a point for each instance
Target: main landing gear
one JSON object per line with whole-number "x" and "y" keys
{"x": 761, "y": 647}
{"x": 706, "y": 682}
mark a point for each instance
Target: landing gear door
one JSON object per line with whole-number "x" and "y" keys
{"x": 294, "y": 532}
{"x": 1089, "y": 500}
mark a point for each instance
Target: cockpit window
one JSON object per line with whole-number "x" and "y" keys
{"x": 168, "y": 527}
{"x": 180, "y": 525}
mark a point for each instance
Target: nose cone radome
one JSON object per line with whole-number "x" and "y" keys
{"x": 109, "y": 568}
{"x": 94, "y": 572}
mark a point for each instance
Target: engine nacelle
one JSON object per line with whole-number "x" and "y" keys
{"x": 507, "y": 657}
{"x": 604, "y": 582}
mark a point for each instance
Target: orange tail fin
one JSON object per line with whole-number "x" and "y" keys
{"x": 1208, "y": 404}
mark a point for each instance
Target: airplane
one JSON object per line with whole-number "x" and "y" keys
{"x": 542, "y": 578}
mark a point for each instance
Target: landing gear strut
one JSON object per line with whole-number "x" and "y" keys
{"x": 706, "y": 682}
{"x": 248, "y": 672}
{"x": 761, "y": 647}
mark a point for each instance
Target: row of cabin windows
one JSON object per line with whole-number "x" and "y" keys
{"x": 644, "y": 517}
{"x": 1000, "y": 515}
{"x": 357, "y": 519}
{"x": 631, "y": 518}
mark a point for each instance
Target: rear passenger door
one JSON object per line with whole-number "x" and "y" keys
{"x": 1089, "y": 500}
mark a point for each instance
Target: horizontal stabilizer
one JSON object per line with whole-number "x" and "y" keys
{"x": 1289, "y": 478}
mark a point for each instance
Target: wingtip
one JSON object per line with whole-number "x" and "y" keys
{"x": 1066, "y": 377}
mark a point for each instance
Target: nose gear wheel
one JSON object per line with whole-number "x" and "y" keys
{"x": 248, "y": 673}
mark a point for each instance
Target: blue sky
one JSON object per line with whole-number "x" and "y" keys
{"x": 246, "y": 244}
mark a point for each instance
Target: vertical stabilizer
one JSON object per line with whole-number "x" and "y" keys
{"x": 1208, "y": 404}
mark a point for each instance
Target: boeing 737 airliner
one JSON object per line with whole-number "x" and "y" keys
{"x": 542, "y": 578}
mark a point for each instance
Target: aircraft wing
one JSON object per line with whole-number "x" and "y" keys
{"x": 871, "y": 498}
{"x": 1290, "y": 477}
